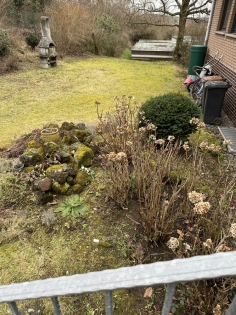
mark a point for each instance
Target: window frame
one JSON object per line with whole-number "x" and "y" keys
{"x": 226, "y": 16}
{"x": 233, "y": 27}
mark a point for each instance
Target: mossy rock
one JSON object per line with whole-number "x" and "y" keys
{"x": 58, "y": 173}
{"x": 28, "y": 169}
{"x": 75, "y": 189}
{"x": 67, "y": 126}
{"x": 82, "y": 178}
{"x": 32, "y": 156}
{"x": 84, "y": 156}
{"x": 65, "y": 157}
{"x": 60, "y": 188}
{"x": 50, "y": 146}
{"x": 69, "y": 139}
{"x": 35, "y": 145}
{"x": 82, "y": 135}
{"x": 76, "y": 145}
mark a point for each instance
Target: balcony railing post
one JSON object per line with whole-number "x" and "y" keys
{"x": 108, "y": 302}
{"x": 14, "y": 308}
{"x": 56, "y": 305}
{"x": 168, "y": 298}
{"x": 232, "y": 308}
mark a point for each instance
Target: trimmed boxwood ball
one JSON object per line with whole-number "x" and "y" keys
{"x": 171, "y": 114}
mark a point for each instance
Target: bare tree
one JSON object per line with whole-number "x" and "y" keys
{"x": 179, "y": 10}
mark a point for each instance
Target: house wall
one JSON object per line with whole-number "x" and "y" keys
{"x": 225, "y": 44}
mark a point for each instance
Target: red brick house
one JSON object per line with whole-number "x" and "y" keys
{"x": 221, "y": 36}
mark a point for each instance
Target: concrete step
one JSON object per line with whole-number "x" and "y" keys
{"x": 229, "y": 133}
{"x": 151, "y": 57}
{"x": 152, "y": 52}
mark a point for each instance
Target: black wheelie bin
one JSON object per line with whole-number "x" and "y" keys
{"x": 212, "y": 100}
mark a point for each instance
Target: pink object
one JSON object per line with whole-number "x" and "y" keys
{"x": 187, "y": 81}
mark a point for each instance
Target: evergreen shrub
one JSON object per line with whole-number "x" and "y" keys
{"x": 5, "y": 42}
{"x": 171, "y": 114}
{"x": 32, "y": 40}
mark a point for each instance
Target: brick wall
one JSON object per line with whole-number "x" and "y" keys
{"x": 225, "y": 44}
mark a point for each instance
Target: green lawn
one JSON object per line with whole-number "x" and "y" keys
{"x": 31, "y": 98}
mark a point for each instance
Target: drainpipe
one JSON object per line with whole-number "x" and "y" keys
{"x": 209, "y": 22}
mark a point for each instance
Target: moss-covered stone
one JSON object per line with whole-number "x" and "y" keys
{"x": 58, "y": 173}
{"x": 82, "y": 135}
{"x": 75, "y": 146}
{"x": 67, "y": 126}
{"x": 84, "y": 156}
{"x": 65, "y": 157}
{"x": 32, "y": 156}
{"x": 35, "y": 145}
{"x": 28, "y": 169}
{"x": 60, "y": 188}
{"x": 75, "y": 189}
{"x": 82, "y": 178}
{"x": 50, "y": 146}
{"x": 69, "y": 139}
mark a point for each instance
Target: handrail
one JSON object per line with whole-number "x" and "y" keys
{"x": 167, "y": 272}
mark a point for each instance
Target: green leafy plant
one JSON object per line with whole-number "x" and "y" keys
{"x": 127, "y": 54}
{"x": 171, "y": 114}
{"x": 32, "y": 40}
{"x": 72, "y": 206}
{"x": 5, "y": 42}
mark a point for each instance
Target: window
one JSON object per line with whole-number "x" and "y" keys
{"x": 233, "y": 30}
{"x": 225, "y": 15}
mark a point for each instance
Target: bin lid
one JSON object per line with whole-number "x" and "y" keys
{"x": 213, "y": 78}
{"x": 217, "y": 85}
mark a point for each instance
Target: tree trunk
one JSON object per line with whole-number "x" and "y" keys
{"x": 182, "y": 23}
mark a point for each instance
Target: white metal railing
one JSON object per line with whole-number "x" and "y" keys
{"x": 167, "y": 272}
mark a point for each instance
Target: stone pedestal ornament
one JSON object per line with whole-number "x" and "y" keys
{"x": 46, "y": 46}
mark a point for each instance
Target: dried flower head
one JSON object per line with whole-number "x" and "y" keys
{"x": 232, "y": 230}
{"x": 186, "y": 146}
{"x": 171, "y": 138}
{"x": 152, "y": 137}
{"x": 217, "y": 310}
{"x": 195, "y": 197}
{"x": 227, "y": 142}
{"x": 201, "y": 207}
{"x": 214, "y": 148}
{"x": 173, "y": 243}
{"x": 203, "y": 145}
{"x": 160, "y": 141}
{"x": 194, "y": 121}
{"x": 201, "y": 125}
{"x": 111, "y": 156}
{"x": 187, "y": 246}
{"x": 121, "y": 157}
{"x": 208, "y": 243}
{"x": 223, "y": 248}
{"x": 151, "y": 127}
{"x": 142, "y": 129}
